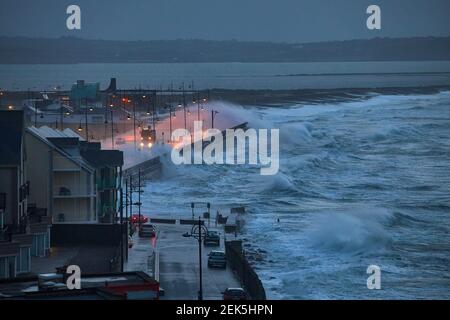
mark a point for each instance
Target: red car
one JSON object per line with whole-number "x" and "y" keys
{"x": 135, "y": 219}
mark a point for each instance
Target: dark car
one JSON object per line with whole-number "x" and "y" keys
{"x": 135, "y": 219}
{"x": 217, "y": 259}
{"x": 212, "y": 238}
{"x": 234, "y": 294}
{"x": 147, "y": 231}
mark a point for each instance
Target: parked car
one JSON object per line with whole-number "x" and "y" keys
{"x": 135, "y": 219}
{"x": 212, "y": 238}
{"x": 217, "y": 259}
{"x": 234, "y": 294}
{"x": 147, "y": 231}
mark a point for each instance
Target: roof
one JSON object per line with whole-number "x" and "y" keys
{"x": 65, "y": 142}
{"x": 103, "y": 158}
{"x": 11, "y": 133}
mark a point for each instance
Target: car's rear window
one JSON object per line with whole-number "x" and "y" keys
{"x": 236, "y": 292}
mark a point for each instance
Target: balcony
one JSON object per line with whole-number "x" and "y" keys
{"x": 67, "y": 193}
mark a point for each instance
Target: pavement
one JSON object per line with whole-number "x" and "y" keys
{"x": 177, "y": 264}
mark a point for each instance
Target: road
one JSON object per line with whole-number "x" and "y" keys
{"x": 179, "y": 272}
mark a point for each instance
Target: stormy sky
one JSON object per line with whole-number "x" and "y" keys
{"x": 252, "y": 20}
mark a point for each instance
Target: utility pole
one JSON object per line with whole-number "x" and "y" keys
{"x": 112, "y": 129}
{"x": 61, "y": 110}
{"x": 131, "y": 196}
{"x": 198, "y": 106}
{"x": 126, "y": 199}
{"x": 213, "y": 115}
{"x": 121, "y": 230}
{"x": 134, "y": 121}
{"x": 35, "y": 113}
{"x": 139, "y": 197}
{"x": 86, "y": 113}
{"x": 184, "y": 108}
{"x": 200, "y": 291}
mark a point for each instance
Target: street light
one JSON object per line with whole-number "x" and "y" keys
{"x": 198, "y": 231}
{"x": 213, "y": 115}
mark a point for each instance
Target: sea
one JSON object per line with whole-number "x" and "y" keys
{"x": 362, "y": 182}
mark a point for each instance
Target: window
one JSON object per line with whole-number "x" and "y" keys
{"x": 24, "y": 265}
{"x": 47, "y": 240}
{"x": 7, "y": 267}
{"x": 38, "y": 247}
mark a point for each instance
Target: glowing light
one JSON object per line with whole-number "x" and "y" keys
{"x": 128, "y": 117}
{"x": 10, "y": 107}
{"x": 150, "y": 144}
{"x": 142, "y": 144}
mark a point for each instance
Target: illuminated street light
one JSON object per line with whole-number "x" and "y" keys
{"x": 128, "y": 117}
{"x": 10, "y": 107}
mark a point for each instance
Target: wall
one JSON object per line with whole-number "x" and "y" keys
{"x": 38, "y": 171}
{"x": 249, "y": 278}
{"x": 8, "y": 185}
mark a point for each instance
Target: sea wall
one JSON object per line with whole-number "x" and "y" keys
{"x": 249, "y": 279}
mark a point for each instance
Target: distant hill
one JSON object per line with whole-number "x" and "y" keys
{"x": 75, "y": 50}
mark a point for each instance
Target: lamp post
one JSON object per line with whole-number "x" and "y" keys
{"x": 198, "y": 231}
{"x": 121, "y": 230}
{"x": 86, "y": 120}
{"x": 134, "y": 121}
{"x": 184, "y": 107}
{"x": 213, "y": 115}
